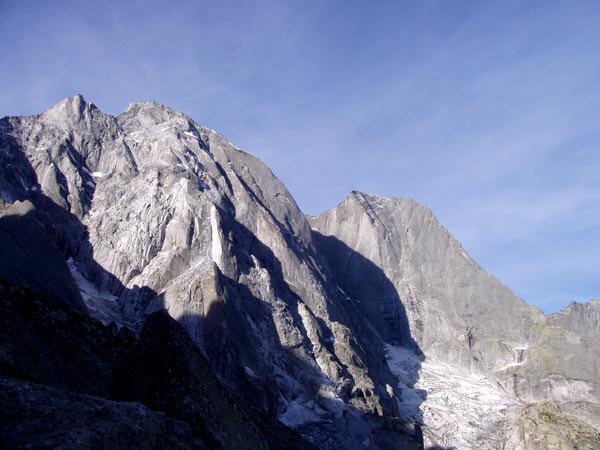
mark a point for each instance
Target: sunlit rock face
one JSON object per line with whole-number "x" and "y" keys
{"x": 350, "y": 327}
{"x": 486, "y": 353}
{"x": 582, "y": 318}
{"x": 457, "y": 312}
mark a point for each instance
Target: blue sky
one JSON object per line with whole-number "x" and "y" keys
{"x": 487, "y": 112}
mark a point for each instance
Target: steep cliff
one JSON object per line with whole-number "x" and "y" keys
{"x": 154, "y": 211}
{"x": 485, "y": 349}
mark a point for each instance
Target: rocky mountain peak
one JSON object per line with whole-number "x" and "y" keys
{"x": 148, "y": 114}
{"x": 377, "y": 204}
{"x": 579, "y": 317}
{"x": 69, "y": 112}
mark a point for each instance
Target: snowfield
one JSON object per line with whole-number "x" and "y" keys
{"x": 464, "y": 411}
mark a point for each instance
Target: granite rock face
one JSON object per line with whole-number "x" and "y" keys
{"x": 157, "y": 212}
{"x": 352, "y": 328}
{"x": 545, "y": 426}
{"x": 456, "y": 311}
{"x": 465, "y": 322}
{"x": 583, "y": 318}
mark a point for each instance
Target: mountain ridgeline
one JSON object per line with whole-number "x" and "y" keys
{"x": 366, "y": 327}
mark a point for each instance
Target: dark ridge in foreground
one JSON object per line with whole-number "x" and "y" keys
{"x": 68, "y": 381}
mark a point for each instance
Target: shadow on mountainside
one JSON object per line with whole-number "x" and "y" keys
{"x": 271, "y": 378}
{"x": 374, "y": 298}
{"x": 235, "y": 327}
{"x": 19, "y": 182}
{"x": 49, "y": 341}
{"x": 365, "y": 336}
{"x": 374, "y": 305}
{"x": 50, "y": 355}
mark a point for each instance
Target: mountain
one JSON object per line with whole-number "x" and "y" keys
{"x": 485, "y": 349}
{"x": 579, "y": 317}
{"x": 354, "y": 329}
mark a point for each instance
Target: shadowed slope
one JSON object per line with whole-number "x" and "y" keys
{"x": 164, "y": 213}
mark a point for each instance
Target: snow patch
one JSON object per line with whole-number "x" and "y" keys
{"x": 508, "y": 366}
{"x": 101, "y": 304}
{"x": 457, "y": 409}
{"x": 329, "y": 400}
{"x": 342, "y": 291}
{"x": 216, "y": 238}
{"x": 298, "y": 414}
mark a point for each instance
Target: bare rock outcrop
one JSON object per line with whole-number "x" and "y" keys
{"x": 583, "y": 318}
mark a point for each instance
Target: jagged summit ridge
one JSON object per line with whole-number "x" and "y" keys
{"x": 579, "y": 318}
